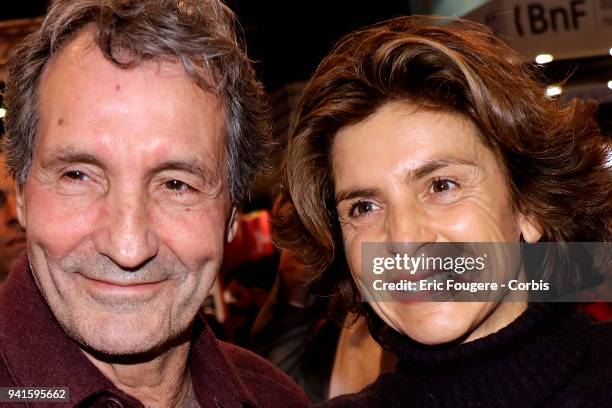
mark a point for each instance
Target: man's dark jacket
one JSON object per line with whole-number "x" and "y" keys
{"x": 35, "y": 352}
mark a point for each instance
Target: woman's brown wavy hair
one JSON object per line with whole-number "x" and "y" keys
{"x": 552, "y": 151}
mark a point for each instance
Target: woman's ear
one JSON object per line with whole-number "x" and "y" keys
{"x": 531, "y": 230}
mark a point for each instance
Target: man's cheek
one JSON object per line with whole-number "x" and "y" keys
{"x": 58, "y": 229}
{"x": 194, "y": 236}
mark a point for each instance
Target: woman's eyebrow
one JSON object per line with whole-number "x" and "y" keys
{"x": 413, "y": 174}
{"x": 432, "y": 165}
{"x": 348, "y": 194}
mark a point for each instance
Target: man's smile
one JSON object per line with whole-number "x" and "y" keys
{"x": 120, "y": 288}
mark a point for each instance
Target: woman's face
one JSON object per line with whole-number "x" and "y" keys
{"x": 409, "y": 174}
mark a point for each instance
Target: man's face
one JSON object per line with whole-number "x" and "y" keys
{"x": 12, "y": 239}
{"x": 126, "y": 204}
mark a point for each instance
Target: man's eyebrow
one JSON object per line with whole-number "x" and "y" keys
{"x": 432, "y": 165}
{"x": 349, "y": 194}
{"x": 67, "y": 156}
{"x": 193, "y": 167}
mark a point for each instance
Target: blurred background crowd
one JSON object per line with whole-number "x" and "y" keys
{"x": 262, "y": 300}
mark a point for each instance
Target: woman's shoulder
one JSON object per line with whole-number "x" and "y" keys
{"x": 591, "y": 386}
{"x": 603, "y": 328}
{"x": 391, "y": 389}
{"x": 600, "y": 351}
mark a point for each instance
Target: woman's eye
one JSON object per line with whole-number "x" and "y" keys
{"x": 442, "y": 185}
{"x": 361, "y": 208}
{"x": 178, "y": 186}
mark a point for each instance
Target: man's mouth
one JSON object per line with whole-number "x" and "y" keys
{"x": 122, "y": 287}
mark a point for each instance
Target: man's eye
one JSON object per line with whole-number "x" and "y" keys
{"x": 179, "y": 186}
{"x": 442, "y": 185}
{"x": 76, "y": 175}
{"x": 361, "y": 208}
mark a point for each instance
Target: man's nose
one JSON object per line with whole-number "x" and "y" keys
{"x": 127, "y": 237}
{"x": 407, "y": 223}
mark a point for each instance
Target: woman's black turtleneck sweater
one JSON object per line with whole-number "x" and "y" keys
{"x": 550, "y": 356}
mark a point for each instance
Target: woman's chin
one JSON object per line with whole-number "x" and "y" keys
{"x": 435, "y": 334}
{"x": 438, "y": 323}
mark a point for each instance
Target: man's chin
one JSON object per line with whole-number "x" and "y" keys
{"x": 122, "y": 346}
{"x": 121, "y": 337}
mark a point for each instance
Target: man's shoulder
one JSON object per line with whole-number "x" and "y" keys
{"x": 6, "y": 379}
{"x": 269, "y": 385}
{"x": 6, "y": 341}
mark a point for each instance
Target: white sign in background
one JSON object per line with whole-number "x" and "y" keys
{"x": 564, "y": 28}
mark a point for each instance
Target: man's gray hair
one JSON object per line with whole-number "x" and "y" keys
{"x": 201, "y": 34}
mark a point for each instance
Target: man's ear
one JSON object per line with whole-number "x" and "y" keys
{"x": 232, "y": 224}
{"x": 20, "y": 207}
{"x": 531, "y": 230}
